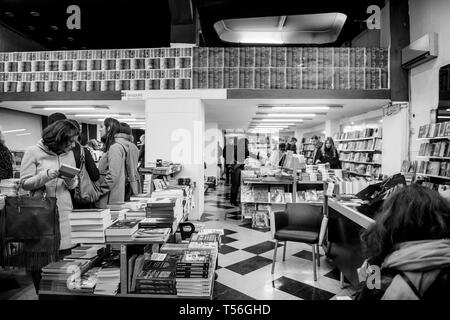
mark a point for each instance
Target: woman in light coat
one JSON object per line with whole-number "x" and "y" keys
{"x": 39, "y": 174}
{"x": 111, "y": 167}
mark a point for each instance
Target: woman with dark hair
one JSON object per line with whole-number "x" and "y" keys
{"x": 39, "y": 173}
{"x": 410, "y": 243}
{"x": 328, "y": 154}
{"x": 112, "y": 167}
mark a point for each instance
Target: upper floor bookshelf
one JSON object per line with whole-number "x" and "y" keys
{"x": 301, "y": 68}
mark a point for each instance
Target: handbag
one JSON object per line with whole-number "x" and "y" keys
{"x": 29, "y": 218}
{"x": 86, "y": 191}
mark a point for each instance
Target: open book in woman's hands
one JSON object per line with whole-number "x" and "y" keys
{"x": 68, "y": 171}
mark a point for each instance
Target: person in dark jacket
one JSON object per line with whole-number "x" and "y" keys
{"x": 410, "y": 245}
{"x": 328, "y": 154}
{"x": 6, "y": 163}
{"x": 318, "y": 145}
{"x": 292, "y": 145}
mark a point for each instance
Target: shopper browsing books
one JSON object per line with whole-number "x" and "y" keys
{"x": 111, "y": 167}
{"x": 328, "y": 154}
{"x": 410, "y": 243}
{"x": 125, "y": 139}
{"x": 39, "y": 173}
{"x": 6, "y": 168}
{"x": 317, "y": 146}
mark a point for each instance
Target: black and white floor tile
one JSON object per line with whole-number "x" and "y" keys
{"x": 245, "y": 260}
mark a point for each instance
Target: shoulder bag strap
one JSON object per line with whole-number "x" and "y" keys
{"x": 411, "y": 285}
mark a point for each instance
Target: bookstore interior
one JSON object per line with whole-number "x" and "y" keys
{"x": 287, "y": 138}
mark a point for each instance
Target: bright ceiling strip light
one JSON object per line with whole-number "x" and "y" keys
{"x": 23, "y": 134}
{"x": 444, "y": 117}
{"x": 96, "y": 115}
{"x": 298, "y": 108}
{"x": 281, "y": 120}
{"x": 68, "y": 109}
{"x": 15, "y": 130}
{"x": 288, "y": 115}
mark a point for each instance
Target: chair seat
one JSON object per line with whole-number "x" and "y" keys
{"x": 295, "y": 233}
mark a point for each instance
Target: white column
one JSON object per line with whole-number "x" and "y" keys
{"x": 211, "y": 154}
{"x": 175, "y": 129}
{"x": 331, "y": 128}
{"x": 395, "y": 142}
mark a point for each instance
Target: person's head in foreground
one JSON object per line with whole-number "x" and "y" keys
{"x": 60, "y": 137}
{"x": 410, "y": 244}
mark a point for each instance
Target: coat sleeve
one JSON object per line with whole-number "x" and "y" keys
{"x": 30, "y": 179}
{"x": 115, "y": 163}
{"x": 91, "y": 168}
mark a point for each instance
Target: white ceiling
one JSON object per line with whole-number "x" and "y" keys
{"x": 237, "y": 113}
{"x": 135, "y": 108}
{"x": 229, "y": 114}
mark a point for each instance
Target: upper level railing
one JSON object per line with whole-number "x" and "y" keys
{"x": 194, "y": 68}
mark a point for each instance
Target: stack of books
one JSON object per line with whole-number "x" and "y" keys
{"x": 167, "y": 211}
{"x": 194, "y": 273}
{"x": 174, "y": 248}
{"x": 90, "y": 253}
{"x": 86, "y": 283}
{"x": 152, "y": 235}
{"x": 158, "y": 277}
{"x": 121, "y": 230}
{"x": 58, "y": 275}
{"x": 108, "y": 277}
{"x": 88, "y": 225}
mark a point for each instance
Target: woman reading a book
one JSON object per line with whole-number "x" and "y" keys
{"x": 39, "y": 174}
{"x": 112, "y": 167}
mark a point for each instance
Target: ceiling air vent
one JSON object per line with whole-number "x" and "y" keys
{"x": 420, "y": 51}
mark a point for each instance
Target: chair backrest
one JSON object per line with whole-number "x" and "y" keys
{"x": 306, "y": 215}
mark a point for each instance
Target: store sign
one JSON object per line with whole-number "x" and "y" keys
{"x": 374, "y": 21}
{"x": 74, "y": 20}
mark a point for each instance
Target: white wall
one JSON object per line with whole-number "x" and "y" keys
{"x": 211, "y": 153}
{"x": 425, "y": 17}
{"x": 11, "y": 120}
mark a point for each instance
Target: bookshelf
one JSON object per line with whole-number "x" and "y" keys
{"x": 434, "y": 153}
{"x": 250, "y": 205}
{"x": 298, "y": 68}
{"x": 360, "y": 151}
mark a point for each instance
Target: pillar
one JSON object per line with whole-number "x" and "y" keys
{"x": 175, "y": 129}
{"x": 331, "y": 128}
{"x": 211, "y": 154}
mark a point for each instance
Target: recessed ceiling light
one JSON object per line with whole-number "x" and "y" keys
{"x": 23, "y": 134}
{"x": 15, "y": 130}
{"x": 281, "y": 120}
{"x": 71, "y": 39}
{"x": 96, "y": 115}
{"x": 54, "y": 28}
{"x": 49, "y": 38}
{"x": 293, "y": 115}
{"x": 9, "y": 14}
{"x": 31, "y": 28}
{"x": 63, "y": 48}
{"x": 83, "y": 48}
{"x": 34, "y": 13}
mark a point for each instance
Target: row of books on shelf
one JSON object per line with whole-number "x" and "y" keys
{"x": 360, "y": 134}
{"x": 291, "y": 57}
{"x": 369, "y": 145}
{"x": 308, "y": 147}
{"x": 277, "y": 194}
{"x": 350, "y": 185}
{"x": 290, "y": 78}
{"x": 95, "y": 64}
{"x": 434, "y": 168}
{"x": 95, "y": 85}
{"x": 96, "y": 54}
{"x": 434, "y": 130}
{"x": 438, "y": 149}
{"x": 362, "y": 169}
{"x": 96, "y": 75}
{"x": 374, "y": 158}
{"x": 443, "y": 189}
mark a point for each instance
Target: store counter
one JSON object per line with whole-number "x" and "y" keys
{"x": 345, "y": 225}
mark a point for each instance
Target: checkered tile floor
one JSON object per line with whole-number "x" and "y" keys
{"x": 245, "y": 260}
